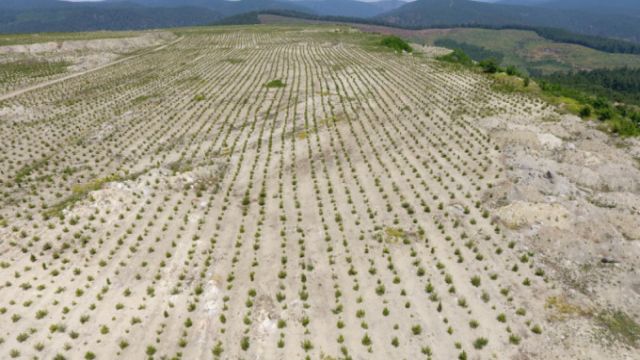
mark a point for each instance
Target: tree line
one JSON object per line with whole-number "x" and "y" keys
{"x": 604, "y": 44}
{"x": 620, "y": 85}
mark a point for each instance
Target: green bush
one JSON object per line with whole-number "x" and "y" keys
{"x": 396, "y": 43}
{"x": 457, "y": 56}
{"x": 512, "y": 71}
{"x": 275, "y": 84}
{"x": 489, "y": 66}
{"x": 585, "y": 112}
{"x": 620, "y": 326}
{"x": 479, "y": 343}
{"x": 476, "y": 53}
{"x": 624, "y": 127}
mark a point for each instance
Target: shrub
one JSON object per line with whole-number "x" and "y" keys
{"x": 416, "y": 329}
{"x": 605, "y": 114}
{"x": 479, "y": 343}
{"x": 41, "y": 313}
{"x": 275, "y": 84}
{"x": 244, "y": 343}
{"x": 396, "y": 43}
{"x": 150, "y": 350}
{"x": 512, "y": 70}
{"x": 217, "y": 350}
{"x": 621, "y": 326}
{"x": 307, "y": 345}
{"x": 395, "y": 342}
{"x": 489, "y": 66}
{"x": 457, "y": 57}
{"x": 536, "y": 329}
{"x": 366, "y": 340}
{"x": 585, "y": 112}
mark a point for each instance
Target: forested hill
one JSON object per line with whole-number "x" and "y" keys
{"x": 625, "y": 7}
{"x": 621, "y": 85}
{"x": 425, "y": 13}
{"x": 56, "y": 17}
{"x": 560, "y": 35}
{"x": 620, "y": 19}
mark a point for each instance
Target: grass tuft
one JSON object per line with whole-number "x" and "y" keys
{"x": 275, "y": 84}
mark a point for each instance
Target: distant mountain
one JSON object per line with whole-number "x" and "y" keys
{"x": 616, "y": 18}
{"x": 388, "y": 5}
{"x": 428, "y": 13}
{"x": 351, "y": 8}
{"x": 66, "y": 16}
{"x": 320, "y": 7}
{"x": 622, "y": 7}
{"x": 521, "y": 2}
{"x": 340, "y": 7}
{"x": 29, "y": 4}
{"x": 225, "y": 7}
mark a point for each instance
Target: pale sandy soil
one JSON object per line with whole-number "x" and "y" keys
{"x": 81, "y": 55}
{"x": 377, "y": 206}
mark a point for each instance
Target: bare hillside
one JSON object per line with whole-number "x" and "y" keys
{"x": 290, "y": 192}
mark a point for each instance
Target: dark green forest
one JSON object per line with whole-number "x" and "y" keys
{"x": 609, "y": 95}
{"x": 101, "y": 17}
{"x": 396, "y": 43}
{"x": 477, "y": 53}
{"x": 620, "y": 85}
{"x": 594, "y": 42}
{"x": 605, "y": 44}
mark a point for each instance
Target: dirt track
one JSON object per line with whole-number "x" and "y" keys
{"x": 40, "y": 85}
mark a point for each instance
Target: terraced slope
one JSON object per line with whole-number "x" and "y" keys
{"x": 185, "y": 204}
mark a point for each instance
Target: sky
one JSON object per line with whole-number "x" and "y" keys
{"x": 232, "y": 0}
{"x": 358, "y": 0}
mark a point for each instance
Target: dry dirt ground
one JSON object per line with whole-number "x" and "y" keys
{"x": 78, "y": 55}
{"x": 368, "y": 205}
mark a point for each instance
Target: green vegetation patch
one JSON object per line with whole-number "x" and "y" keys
{"x": 31, "y": 69}
{"x": 585, "y": 101}
{"x": 528, "y": 51}
{"x": 595, "y": 42}
{"x": 396, "y": 43}
{"x": 457, "y": 56}
{"x": 477, "y": 53}
{"x": 394, "y": 232}
{"x": 620, "y": 327}
{"x": 78, "y": 193}
{"x": 561, "y": 309}
{"x": 26, "y": 171}
{"x": 190, "y": 80}
{"x": 143, "y": 98}
{"x": 34, "y": 38}
{"x": 178, "y": 167}
{"x": 234, "y": 60}
{"x": 620, "y": 119}
{"x": 622, "y": 85}
{"x": 275, "y": 84}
